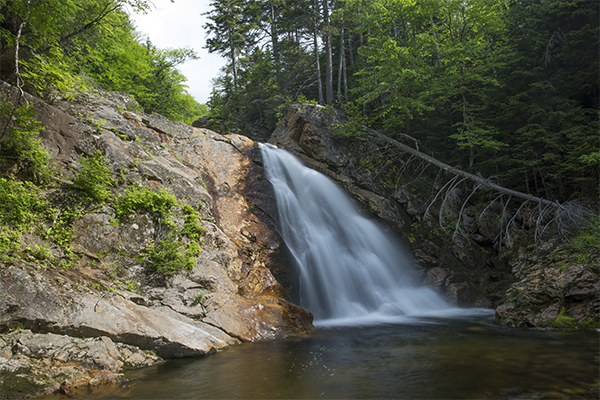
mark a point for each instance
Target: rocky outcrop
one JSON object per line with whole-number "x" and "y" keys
{"x": 554, "y": 287}
{"x": 230, "y": 295}
{"x": 33, "y": 363}
{"x": 528, "y": 285}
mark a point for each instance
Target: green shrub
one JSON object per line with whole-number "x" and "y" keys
{"x": 142, "y": 199}
{"x": 94, "y": 178}
{"x": 21, "y": 204}
{"x": 61, "y": 231}
{"x": 168, "y": 257}
{"x": 586, "y": 241}
{"x": 354, "y": 128}
{"x": 191, "y": 227}
{"x": 19, "y": 145}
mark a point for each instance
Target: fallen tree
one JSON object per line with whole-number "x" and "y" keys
{"x": 537, "y": 212}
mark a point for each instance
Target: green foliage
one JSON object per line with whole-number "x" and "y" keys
{"x": 191, "y": 227}
{"x": 94, "y": 178}
{"x": 61, "y": 231}
{"x": 168, "y": 257}
{"x": 587, "y": 242}
{"x": 21, "y": 204}
{"x": 74, "y": 45}
{"x": 20, "y": 148}
{"x": 354, "y": 128}
{"x": 24, "y": 209}
{"x": 39, "y": 253}
{"x": 21, "y": 208}
{"x": 52, "y": 75}
{"x": 303, "y": 100}
{"x": 198, "y": 299}
{"x": 131, "y": 286}
{"x": 175, "y": 250}
{"x": 143, "y": 199}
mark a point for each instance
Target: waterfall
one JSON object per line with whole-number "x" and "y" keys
{"x": 349, "y": 268}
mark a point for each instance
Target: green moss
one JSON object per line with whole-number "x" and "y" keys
{"x": 563, "y": 321}
{"x": 15, "y": 385}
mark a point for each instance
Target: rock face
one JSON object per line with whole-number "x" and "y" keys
{"x": 552, "y": 289}
{"x": 528, "y": 287}
{"x": 230, "y": 295}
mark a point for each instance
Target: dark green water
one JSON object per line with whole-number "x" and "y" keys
{"x": 469, "y": 357}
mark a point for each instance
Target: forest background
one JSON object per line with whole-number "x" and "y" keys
{"x": 505, "y": 89}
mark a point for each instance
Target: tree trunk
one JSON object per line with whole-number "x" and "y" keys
{"x": 316, "y": 50}
{"x": 328, "y": 56}
{"x": 275, "y": 45}
{"x": 233, "y": 57}
{"x": 341, "y": 66}
{"x": 455, "y": 171}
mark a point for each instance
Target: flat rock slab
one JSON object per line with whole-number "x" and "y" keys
{"x": 31, "y": 298}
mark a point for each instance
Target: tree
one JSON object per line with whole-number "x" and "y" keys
{"x": 548, "y": 113}
{"x": 71, "y": 45}
{"x": 232, "y": 28}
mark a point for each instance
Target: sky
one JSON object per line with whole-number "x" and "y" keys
{"x": 179, "y": 24}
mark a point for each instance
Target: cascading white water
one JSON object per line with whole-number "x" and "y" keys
{"x": 349, "y": 268}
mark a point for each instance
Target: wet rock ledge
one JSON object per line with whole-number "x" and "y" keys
{"x": 46, "y": 363}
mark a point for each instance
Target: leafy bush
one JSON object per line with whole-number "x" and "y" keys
{"x": 354, "y": 128}
{"x": 191, "y": 227}
{"x": 61, "y": 231}
{"x": 21, "y": 210}
{"x": 586, "y": 241}
{"x": 168, "y": 257}
{"x": 142, "y": 199}
{"x": 170, "y": 254}
{"x": 21, "y": 204}
{"x": 94, "y": 178}
{"x": 19, "y": 145}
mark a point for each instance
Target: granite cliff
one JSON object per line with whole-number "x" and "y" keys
{"x": 99, "y": 284}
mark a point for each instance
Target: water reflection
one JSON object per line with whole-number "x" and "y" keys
{"x": 443, "y": 358}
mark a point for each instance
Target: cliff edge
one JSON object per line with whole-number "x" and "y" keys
{"x": 178, "y": 259}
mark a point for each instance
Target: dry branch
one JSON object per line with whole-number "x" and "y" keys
{"x": 567, "y": 217}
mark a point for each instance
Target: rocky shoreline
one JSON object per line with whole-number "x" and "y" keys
{"x": 34, "y": 364}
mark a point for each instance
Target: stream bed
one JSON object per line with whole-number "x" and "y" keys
{"x": 466, "y": 356}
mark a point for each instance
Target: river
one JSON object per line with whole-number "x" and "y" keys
{"x": 464, "y": 355}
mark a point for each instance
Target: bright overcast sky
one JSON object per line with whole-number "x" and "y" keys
{"x": 179, "y": 24}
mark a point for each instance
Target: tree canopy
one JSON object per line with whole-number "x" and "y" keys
{"x": 504, "y": 88}
{"x": 55, "y": 47}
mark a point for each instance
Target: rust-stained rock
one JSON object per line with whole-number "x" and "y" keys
{"x": 231, "y": 294}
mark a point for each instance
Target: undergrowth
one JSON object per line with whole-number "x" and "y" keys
{"x": 35, "y": 216}
{"x": 174, "y": 249}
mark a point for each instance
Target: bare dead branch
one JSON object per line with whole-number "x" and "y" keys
{"x": 461, "y": 211}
